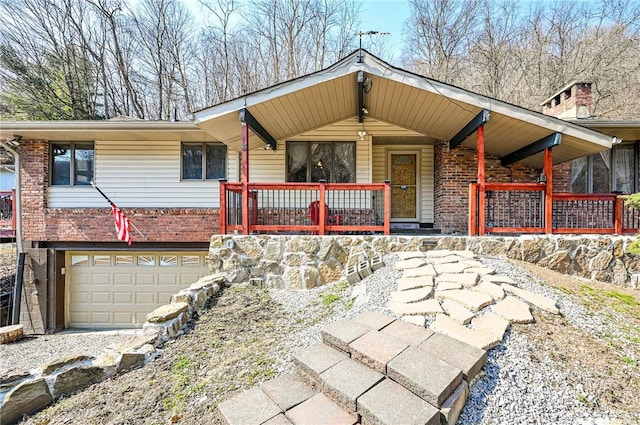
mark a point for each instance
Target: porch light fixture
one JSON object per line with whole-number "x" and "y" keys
{"x": 362, "y": 133}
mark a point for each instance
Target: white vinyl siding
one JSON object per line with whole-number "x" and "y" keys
{"x": 381, "y": 173}
{"x": 141, "y": 174}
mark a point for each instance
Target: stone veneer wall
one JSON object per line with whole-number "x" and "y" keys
{"x": 302, "y": 262}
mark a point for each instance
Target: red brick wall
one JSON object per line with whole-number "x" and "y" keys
{"x": 454, "y": 170}
{"x": 40, "y": 223}
{"x": 577, "y": 95}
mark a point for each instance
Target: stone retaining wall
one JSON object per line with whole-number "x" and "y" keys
{"x": 24, "y": 392}
{"x": 302, "y": 262}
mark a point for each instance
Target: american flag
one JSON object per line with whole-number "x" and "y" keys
{"x": 122, "y": 224}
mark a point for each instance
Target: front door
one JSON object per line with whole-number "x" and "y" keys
{"x": 403, "y": 173}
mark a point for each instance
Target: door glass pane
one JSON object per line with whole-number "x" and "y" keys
{"x": 124, "y": 260}
{"x": 101, "y": 260}
{"x": 61, "y": 157}
{"x": 601, "y": 172}
{"x": 83, "y": 164}
{"x": 344, "y": 168}
{"x": 146, "y": 260}
{"x": 191, "y": 260}
{"x": 296, "y": 162}
{"x": 192, "y": 162}
{"x": 216, "y": 162}
{"x": 79, "y": 260}
{"x": 623, "y": 169}
{"x": 169, "y": 260}
{"x": 321, "y": 162}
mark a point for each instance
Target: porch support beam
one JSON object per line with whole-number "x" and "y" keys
{"x": 256, "y": 127}
{"x": 245, "y": 178}
{"x": 548, "y": 191}
{"x": 360, "y": 96}
{"x": 473, "y": 125}
{"x": 482, "y": 201}
{"x": 538, "y": 146}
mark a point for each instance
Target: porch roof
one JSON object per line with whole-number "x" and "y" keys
{"x": 397, "y": 97}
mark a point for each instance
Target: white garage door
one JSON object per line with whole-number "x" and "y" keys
{"x": 117, "y": 290}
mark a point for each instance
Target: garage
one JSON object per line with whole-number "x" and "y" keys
{"x": 115, "y": 290}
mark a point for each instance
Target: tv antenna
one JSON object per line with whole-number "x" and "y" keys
{"x": 370, "y": 34}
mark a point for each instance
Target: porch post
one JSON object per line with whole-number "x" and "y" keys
{"x": 387, "y": 207}
{"x": 481, "y": 181}
{"x": 223, "y": 207}
{"x": 473, "y": 212}
{"x": 548, "y": 191}
{"x": 322, "y": 211}
{"x": 245, "y": 178}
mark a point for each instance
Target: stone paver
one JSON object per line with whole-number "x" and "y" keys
{"x": 495, "y": 291}
{"x": 409, "y": 333}
{"x": 412, "y": 295}
{"x": 465, "y": 279}
{"x": 425, "y": 375}
{"x": 444, "y": 260}
{"x": 320, "y": 410}
{"x": 427, "y": 270}
{"x": 317, "y": 358}
{"x": 438, "y": 253}
{"x": 496, "y": 278}
{"x": 424, "y": 308}
{"x": 375, "y": 349}
{"x": 457, "y": 311}
{"x": 280, "y": 419}
{"x": 472, "y": 263}
{"x": 406, "y": 283}
{"x": 473, "y": 300}
{"x": 480, "y": 270}
{"x": 343, "y": 332}
{"x": 447, "y": 286}
{"x": 417, "y": 320}
{"x": 252, "y": 407}
{"x": 411, "y": 263}
{"x": 450, "y": 268}
{"x": 459, "y": 354}
{"x": 348, "y": 380}
{"x": 374, "y": 320}
{"x": 514, "y": 310}
{"x": 470, "y": 255}
{"x": 389, "y": 403}
{"x": 492, "y": 324}
{"x": 540, "y": 301}
{"x": 453, "y": 405}
{"x": 410, "y": 254}
{"x": 445, "y": 325}
{"x": 287, "y": 391}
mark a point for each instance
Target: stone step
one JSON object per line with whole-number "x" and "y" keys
{"x": 347, "y": 380}
{"x": 427, "y": 307}
{"x": 473, "y": 300}
{"x": 540, "y": 301}
{"x": 412, "y": 295}
{"x": 319, "y": 409}
{"x": 514, "y": 310}
{"x": 447, "y": 326}
{"x": 406, "y": 283}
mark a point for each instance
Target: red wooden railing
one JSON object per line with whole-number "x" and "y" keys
{"x": 525, "y": 208}
{"x": 316, "y": 208}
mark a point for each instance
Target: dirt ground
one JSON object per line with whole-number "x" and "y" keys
{"x": 8, "y": 259}
{"x": 237, "y": 343}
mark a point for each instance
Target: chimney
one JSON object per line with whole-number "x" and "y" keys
{"x": 572, "y": 102}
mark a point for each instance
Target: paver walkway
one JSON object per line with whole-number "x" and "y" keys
{"x": 376, "y": 369}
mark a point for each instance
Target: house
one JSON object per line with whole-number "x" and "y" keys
{"x": 374, "y": 145}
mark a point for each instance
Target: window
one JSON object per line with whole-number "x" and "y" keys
{"x": 204, "y": 161}
{"x": 334, "y": 162}
{"x": 72, "y": 163}
{"x": 604, "y": 172}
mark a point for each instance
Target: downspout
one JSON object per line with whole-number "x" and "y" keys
{"x": 17, "y": 290}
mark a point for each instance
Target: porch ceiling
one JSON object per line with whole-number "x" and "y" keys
{"x": 397, "y": 97}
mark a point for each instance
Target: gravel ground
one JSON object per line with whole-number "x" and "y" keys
{"x": 31, "y": 353}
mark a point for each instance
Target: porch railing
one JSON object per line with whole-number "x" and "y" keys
{"x": 522, "y": 208}
{"x": 7, "y": 214}
{"x": 316, "y": 208}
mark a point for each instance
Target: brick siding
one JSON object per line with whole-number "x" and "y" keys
{"x": 40, "y": 223}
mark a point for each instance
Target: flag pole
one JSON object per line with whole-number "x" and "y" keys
{"x": 114, "y": 205}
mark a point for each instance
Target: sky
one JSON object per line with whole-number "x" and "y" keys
{"x": 385, "y": 16}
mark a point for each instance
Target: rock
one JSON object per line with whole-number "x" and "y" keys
{"x": 273, "y": 251}
{"x": 54, "y": 365}
{"x": 450, "y": 268}
{"x": 495, "y": 291}
{"x": 492, "y": 324}
{"x": 409, "y": 255}
{"x": 472, "y": 263}
{"x": 309, "y": 277}
{"x": 465, "y": 279}
{"x": 531, "y": 250}
{"x": 602, "y": 261}
{"x": 540, "y": 301}
{"x": 10, "y": 377}
{"x": 444, "y": 260}
{"x": 513, "y": 310}
{"x": 423, "y": 308}
{"x": 426, "y": 270}
{"x": 438, "y": 253}
{"x": 167, "y": 312}
{"x": 560, "y": 261}
{"x": 447, "y": 286}
{"x": 250, "y": 246}
{"x": 28, "y": 397}
{"x": 412, "y": 295}
{"x": 411, "y": 263}
{"x": 457, "y": 311}
{"x": 418, "y": 319}
{"x": 330, "y": 271}
{"x": 76, "y": 379}
{"x": 480, "y": 270}
{"x": 449, "y": 327}
{"x": 472, "y": 300}
{"x": 130, "y": 360}
{"x": 406, "y": 283}
{"x": 9, "y": 334}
